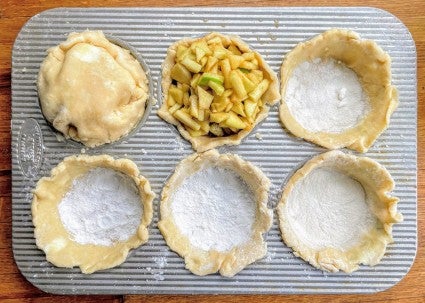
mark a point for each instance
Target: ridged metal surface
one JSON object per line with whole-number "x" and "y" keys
{"x": 157, "y": 147}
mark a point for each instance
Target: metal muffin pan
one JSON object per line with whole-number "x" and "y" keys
{"x": 157, "y": 148}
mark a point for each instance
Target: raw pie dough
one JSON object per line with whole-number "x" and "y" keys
{"x": 51, "y": 235}
{"x": 344, "y": 221}
{"x": 203, "y": 143}
{"x": 220, "y": 257}
{"x": 372, "y": 66}
{"x": 92, "y": 90}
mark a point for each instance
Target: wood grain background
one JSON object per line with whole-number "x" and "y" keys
{"x": 14, "y": 287}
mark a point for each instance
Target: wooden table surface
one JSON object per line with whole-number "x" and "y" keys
{"x": 14, "y": 287}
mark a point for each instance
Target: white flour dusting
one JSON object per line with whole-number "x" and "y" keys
{"x": 328, "y": 209}
{"x": 325, "y": 95}
{"x": 215, "y": 209}
{"x": 102, "y": 207}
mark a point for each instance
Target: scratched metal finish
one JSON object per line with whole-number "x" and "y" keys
{"x": 156, "y": 147}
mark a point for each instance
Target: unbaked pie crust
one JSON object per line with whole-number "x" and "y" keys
{"x": 373, "y": 68}
{"x": 203, "y": 143}
{"x": 376, "y": 183}
{"x": 227, "y": 263}
{"x": 92, "y": 90}
{"x": 51, "y": 235}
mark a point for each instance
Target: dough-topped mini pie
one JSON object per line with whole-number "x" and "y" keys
{"x": 214, "y": 213}
{"x": 336, "y": 91}
{"x": 336, "y": 212}
{"x": 92, "y": 90}
{"x": 216, "y": 90}
{"x": 91, "y": 211}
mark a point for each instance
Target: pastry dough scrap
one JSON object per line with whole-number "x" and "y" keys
{"x": 206, "y": 142}
{"x": 92, "y": 90}
{"x": 226, "y": 259}
{"x": 330, "y": 232}
{"x": 52, "y": 236}
{"x": 372, "y": 66}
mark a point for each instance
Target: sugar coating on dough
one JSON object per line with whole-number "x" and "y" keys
{"x": 215, "y": 209}
{"x": 326, "y": 96}
{"x": 328, "y": 209}
{"x": 102, "y": 207}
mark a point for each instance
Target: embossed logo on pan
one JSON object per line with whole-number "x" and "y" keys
{"x": 30, "y": 148}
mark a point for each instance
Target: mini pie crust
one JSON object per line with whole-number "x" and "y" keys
{"x": 92, "y": 90}
{"x": 377, "y": 183}
{"x": 373, "y": 67}
{"x": 203, "y": 143}
{"x": 52, "y": 237}
{"x": 201, "y": 262}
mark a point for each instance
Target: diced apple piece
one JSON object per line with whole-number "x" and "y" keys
{"x": 220, "y": 107}
{"x": 195, "y": 80}
{"x": 234, "y": 49}
{"x": 250, "y": 107}
{"x": 234, "y": 121}
{"x": 228, "y": 107}
{"x": 193, "y": 99}
{"x": 225, "y": 67}
{"x": 207, "y": 77}
{"x": 248, "y": 65}
{"x": 205, "y": 126}
{"x": 217, "y": 88}
{"x": 261, "y": 88}
{"x": 248, "y": 56}
{"x": 204, "y": 61}
{"x": 184, "y": 87}
{"x": 204, "y": 98}
{"x": 191, "y": 65}
{"x": 218, "y": 117}
{"x": 244, "y": 70}
{"x": 235, "y": 61}
{"x": 202, "y": 45}
{"x": 220, "y": 53}
{"x": 210, "y": 63}
{"x": 216, "y": 130}
{"x": 186, "y": 101}
{"x": 186, "y": 119}
{"x": 251, "y": 76}
{"x": 180, "y": 73}
{"x": 170, "y": 101}
{"x": 238, "y": 108}
{"x": 175, "y": 107}
{"x": 182, "y": 51}
{"x": 248, "y": 84}
{"x": 195, "y": 133}
{"x": 228, "y": 93}
{"x": 200, "y": 53}
{"x": 201, "y": 114}
{"x": 176, "y": 93}
{"x": 259, "y": 74}
{"x": 237, "y": 84}
{"x": 215, "y": 40}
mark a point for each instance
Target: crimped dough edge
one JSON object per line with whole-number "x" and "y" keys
{"x": 229, "y": 263}
{"x": 377, "y": 183}
{"x": 203, "y": 143}
{"x": 52, "y": 237}
{"x": 373, "y": 67}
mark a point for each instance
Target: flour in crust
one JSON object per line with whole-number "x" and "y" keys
{"x": 203, "y": 143}
{"x": 344, "y": 221}
{"x": 222, "y": 257}
{"x": 373, "y": 68}
{"x": 92, "y": 90}
{"x": 52, "y": 236}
